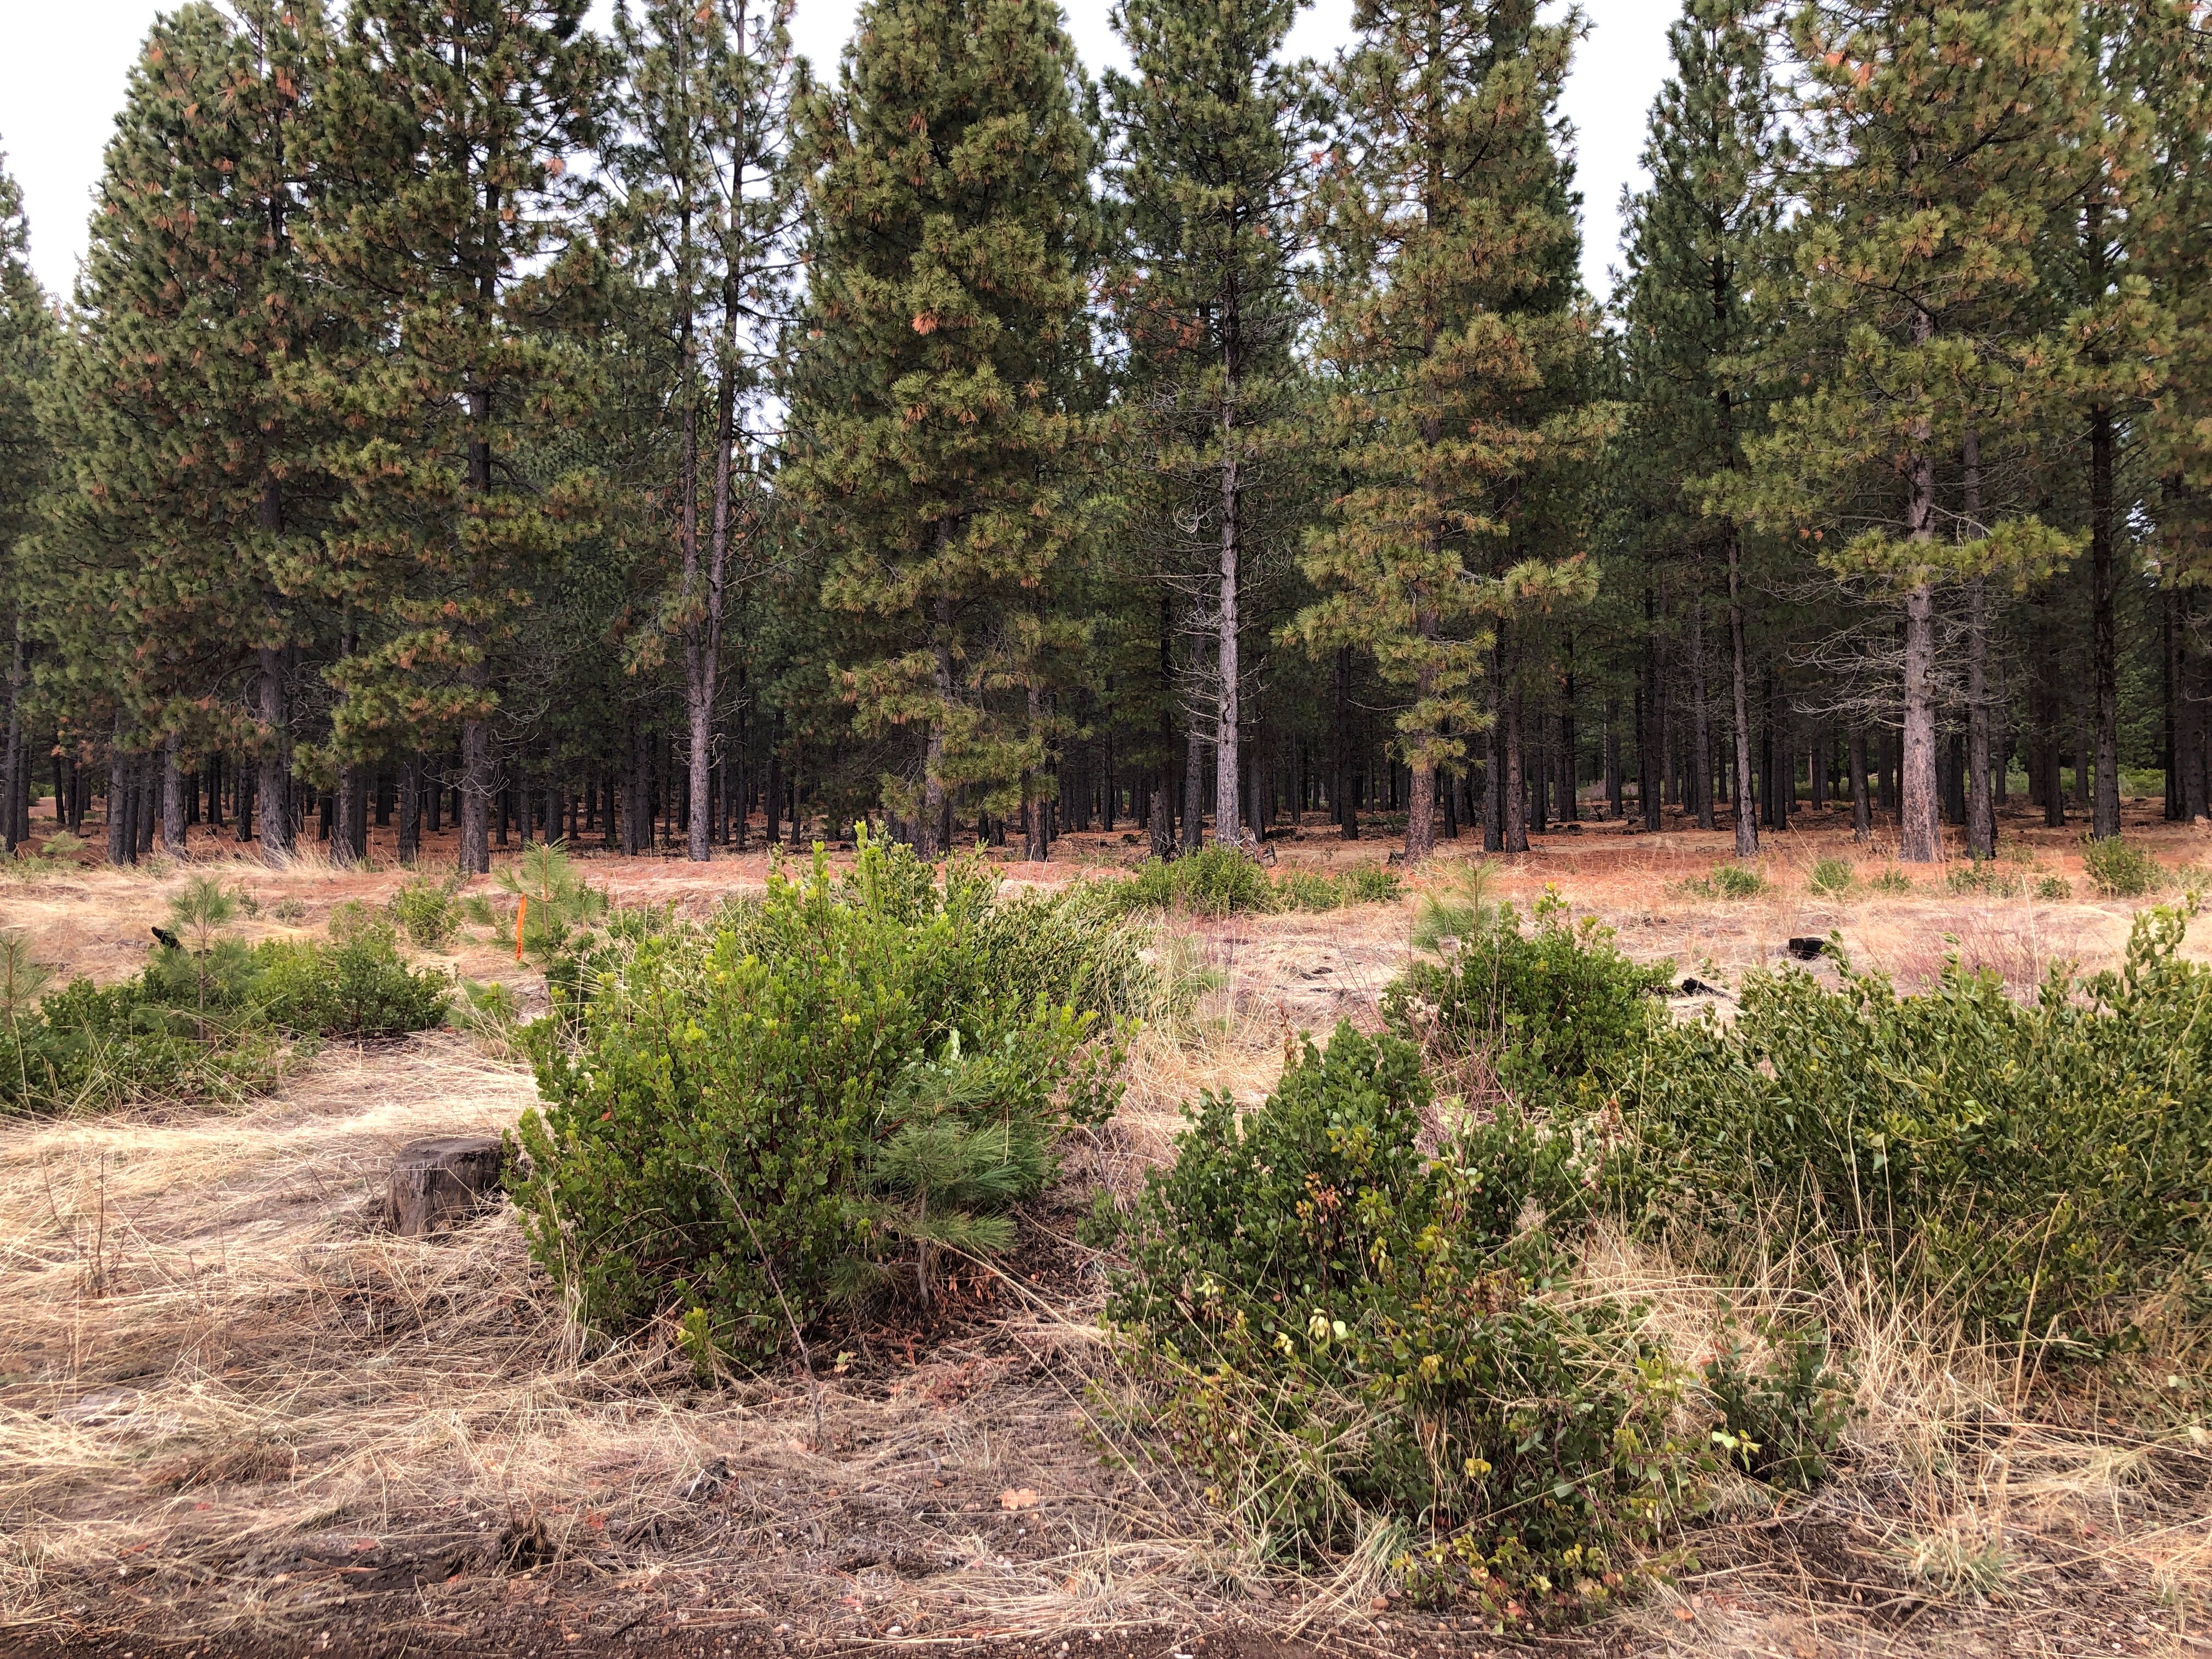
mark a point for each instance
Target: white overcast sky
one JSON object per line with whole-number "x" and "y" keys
{"x": 61, "y": 79}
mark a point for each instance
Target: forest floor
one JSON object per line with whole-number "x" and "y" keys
{"x": 239, "y": 1417}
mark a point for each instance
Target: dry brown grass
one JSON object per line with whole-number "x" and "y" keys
{"x": 226, "y": 1394}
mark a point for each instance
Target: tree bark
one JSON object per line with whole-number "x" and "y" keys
{"x": 1861, "y": 806}
{"x": 1194, "y": 788}
{"x": 1342, "y": 791}
{"x": 173, "y": 797}
{"x": 15, "y": 763}
{"x": 1746, "y": 820}
{"x": 1981, "y": 804}
{"x": 2104, "y": 634}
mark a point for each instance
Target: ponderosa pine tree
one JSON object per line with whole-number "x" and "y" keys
{"x": 1449, "y": 244}
{"x": 27, "y": 336}
{"x": 1696, "y": 237}
{"x": 1937, "y": 149}
{"x": 706, "y": 214}
{"x": 185, "y": 537}
{"x": 447, "y": 213}
{"x": 949, "y": 223}
{"x": 1209, "y": 173}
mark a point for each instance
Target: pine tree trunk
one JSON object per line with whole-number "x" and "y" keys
{"x": 1701, "y": 728}
{"x": 1747, "y": 821}
{"x": 1861, "y": 806}
{"x": 1920, "y": 838}
{"x": 1421, "y": 804}
{"x": 411, "y": 812}
{"x": 14, "y": 763}
{"x": 173, "y": 797}
{"x": 273, "y": 770}
{"x": 2104, "y": 639}
{"x": 1194, "y": 788}
{"x": 1227, "y": 769}
{"x": 1651, "y": 746}
{"x": 1515, "y": 781}
{"x": 1342, "y": 789}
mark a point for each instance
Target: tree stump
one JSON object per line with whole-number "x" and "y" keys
{"x": 435, "y": 1182}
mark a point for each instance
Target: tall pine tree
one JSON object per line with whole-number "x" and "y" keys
{"x": 1696, "y": 238}
{"x": 448, "y": 213}
{"x": 1209, "y": 169}
{"x": 1449, "y": 244}
{"x": 949, "y": 227}
{"x": 1938, "y": 140}
{"x": 186, "y": 541}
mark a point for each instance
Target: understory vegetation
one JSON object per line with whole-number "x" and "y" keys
{"x": 1222, "y": 881}
{"x": 211, "y": 1018}
{"x": 1365, "y": 1306}
{"x": 839, "y": 1089}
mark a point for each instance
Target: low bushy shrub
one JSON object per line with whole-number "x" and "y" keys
{"x": 1892, "y": 880}
{"x": 351, "y": 985}
{"x": 1783, "y": 1404}
{"x": 1544, "y": 1011}
{"x": 1308, "y": 890}
{"x": 209, "y": 1017}
{"x": 1831, "y": 876}
{"x": 1221, "y": 881}
{"x": 2119, "y": 869}
{"x": 2040, "y": 1167}
{"x": 2056, "y": 890}
{"x": 843, "y": 1080}
{"x": 1214, "y": 881}
{"x": 94, "y": 1047}
{"x": 426, "y": 912}
{"x": 1729, "y": 881}
{"x": 1345, "y": 1328}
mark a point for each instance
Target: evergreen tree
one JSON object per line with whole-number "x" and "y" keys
{"x": 705, "y": 216}
{"x": 1935, "y": 156}
{"x": 1449, "y": 244}
{"x": 1696, "y": 238}
{"x": 447, "y": 213}
{"x": 1208, "y": 136}
{"x": 184, "y": 546}
{"x": 26, "y": 346}
{"x": 949, "y": 228}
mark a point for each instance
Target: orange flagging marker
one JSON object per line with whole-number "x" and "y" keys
{"x": 521, "y": 909}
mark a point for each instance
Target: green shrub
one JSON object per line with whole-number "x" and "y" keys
{"x": 1344, "y": 1329}
{"x": 2118, "y": 869}
{"x": 1729, "y": 881}
{"x": 1307, "y": 889}
{"x": 1831, "y": 875}
{"x": 426, "y": 911}
{"x": 1540, "y": 1011}
{"x": 845, "y": 1079}
{"x": 2056, "y": 889}
{"x": 352, "y": 985}
{"x": 93, "y": 1047}
{"x": 1372, "y": 884}
{"x": 208, "y": 1017}
{"x": 2037, "y": 1167}
{"x": 1783, "y": 1410}
{"x": 1214, "y": 881}
{"x": 1892, "y": 880}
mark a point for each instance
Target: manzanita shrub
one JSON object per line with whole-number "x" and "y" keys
{"x": 1546, "y": 1012}
{"x": 1343, "y": 1326}
{"x": 2041, "y": 1167}
{"x": 818, "y": 1098}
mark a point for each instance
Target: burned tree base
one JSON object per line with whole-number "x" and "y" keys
{"x": 437, "y": 1183}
